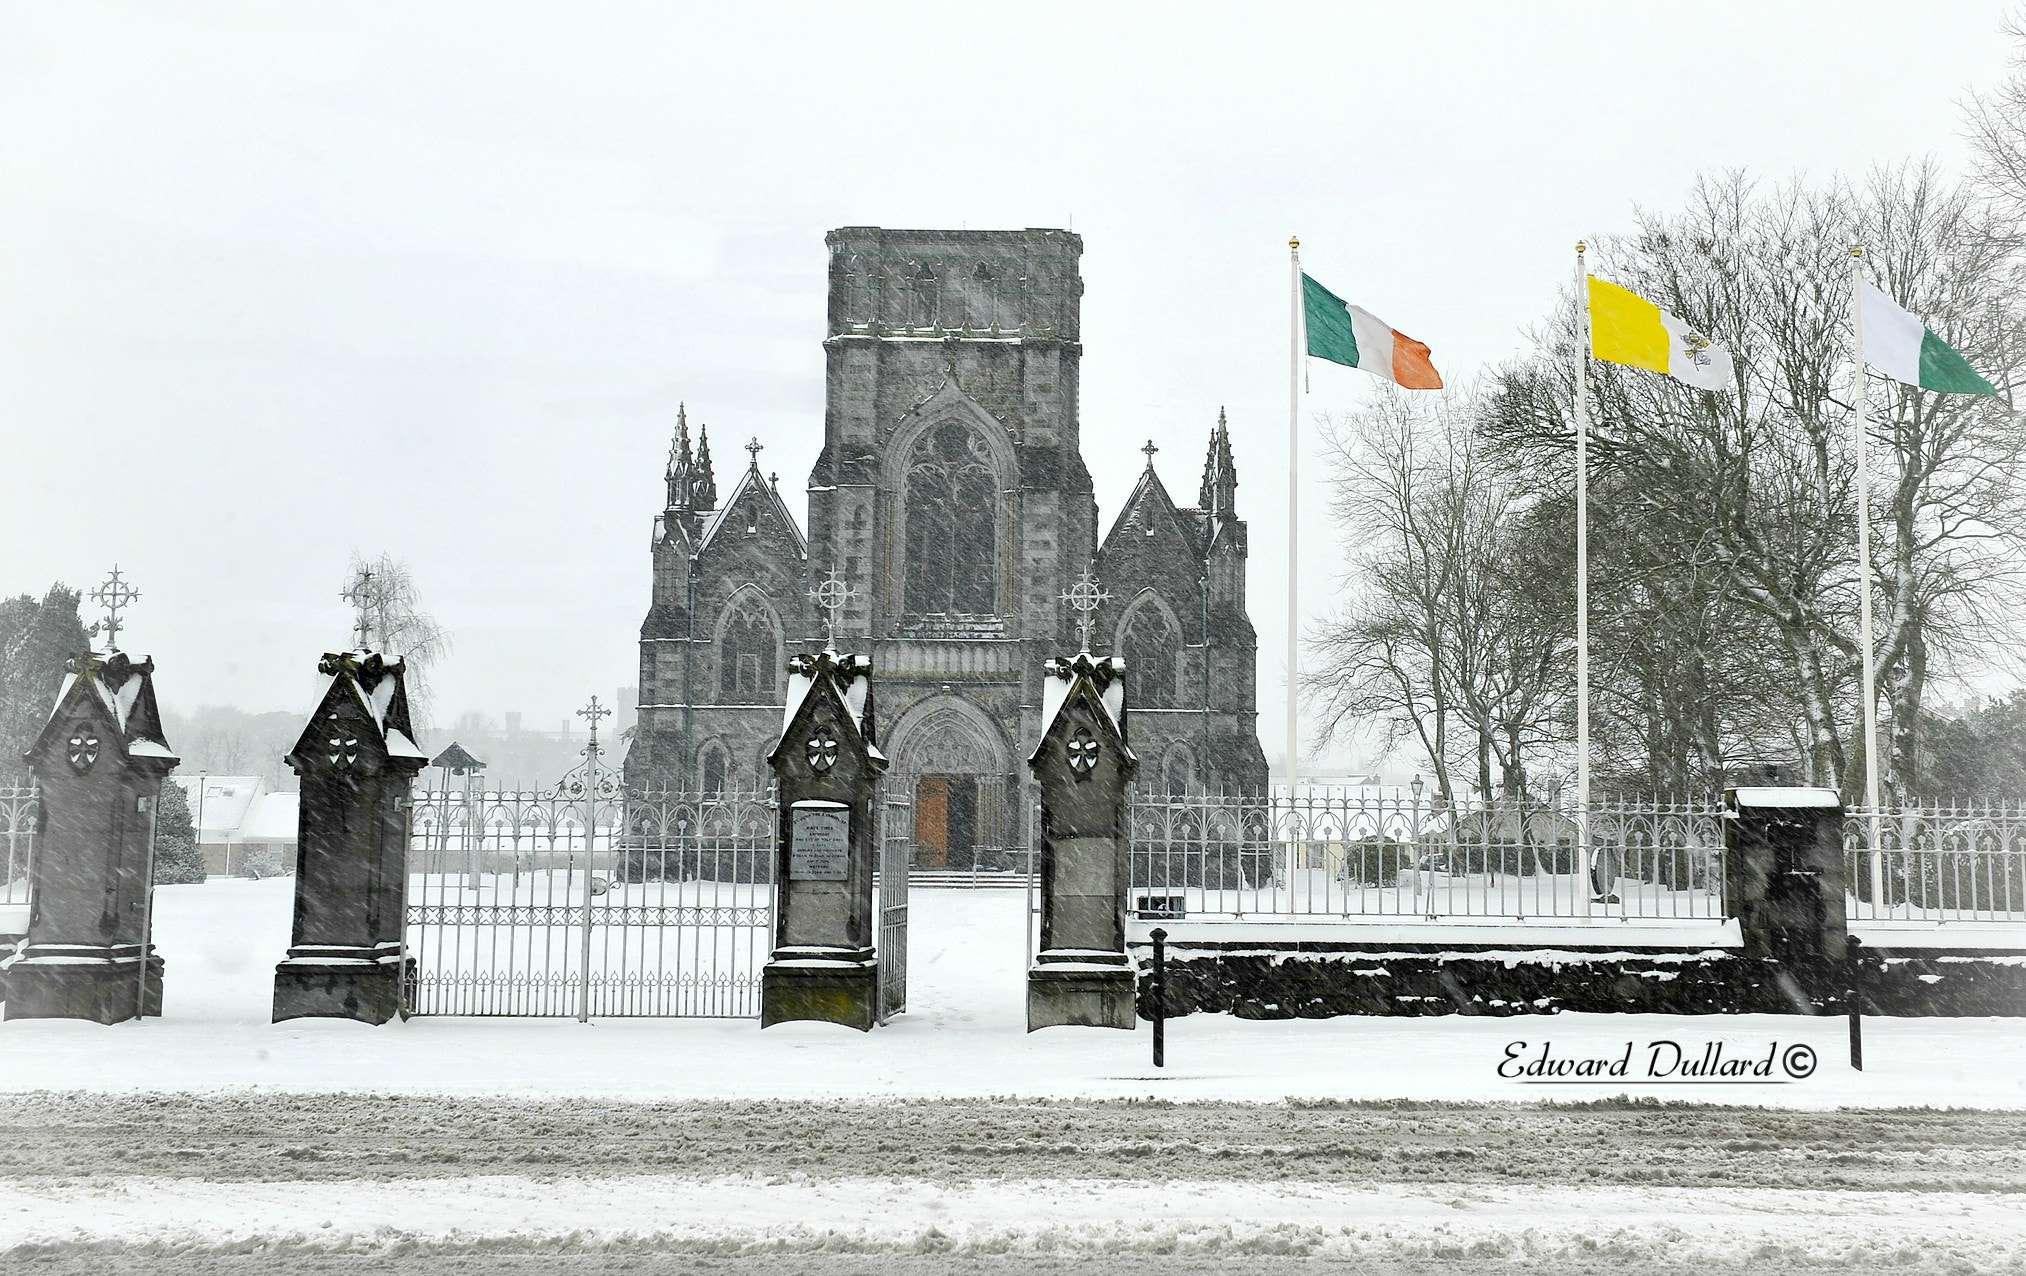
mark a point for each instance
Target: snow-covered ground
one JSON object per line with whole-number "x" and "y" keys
{"x": 1376, "y": 1222}
{"x": 963, "y": 1035}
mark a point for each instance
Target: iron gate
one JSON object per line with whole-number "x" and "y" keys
{"x": 896, "y": 849}
{"x": 586, "y": 900}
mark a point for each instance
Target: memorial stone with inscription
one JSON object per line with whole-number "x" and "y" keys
{"x": 827, "y": 766}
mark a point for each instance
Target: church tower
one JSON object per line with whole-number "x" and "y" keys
{"x": 951, "y": 492}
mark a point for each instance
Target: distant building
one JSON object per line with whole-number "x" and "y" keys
{"x": 267, "y": 840}
{"x": 242, "y": 828}
{"x": 951, "y": 495}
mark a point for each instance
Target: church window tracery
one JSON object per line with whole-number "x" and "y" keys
{"x": 952, "y": 525}
{"x": 747, "y": 654}
{"x": 1153, "y": 656}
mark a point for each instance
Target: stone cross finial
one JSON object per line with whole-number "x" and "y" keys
{"x": 115, "y": 594}
{"x": 753, "y": 449}
{"x": 1086, "y": 596}
{"x": 832, "y": 596}
{"x": 363, "y": 596}
{"x": 1150, "y": 449}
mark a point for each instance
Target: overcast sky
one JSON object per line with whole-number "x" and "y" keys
{"x": 279, "y": 282}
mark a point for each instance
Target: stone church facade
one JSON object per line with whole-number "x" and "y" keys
{"x": 952, "y": 496}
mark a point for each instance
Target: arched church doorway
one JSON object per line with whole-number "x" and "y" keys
{"x": 946, "y": 821}
{"x": 952, "y": 761}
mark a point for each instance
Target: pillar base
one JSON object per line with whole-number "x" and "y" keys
{"x": 822, "y": 986}
{"x": 79, "y": 981}
{"x": 329, "y": 982}
{"x": 1076, "y": 988}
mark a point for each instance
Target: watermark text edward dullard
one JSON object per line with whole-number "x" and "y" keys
{"x": 1661, "y": 1061}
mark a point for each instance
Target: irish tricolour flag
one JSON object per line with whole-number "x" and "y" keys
{"x": 1903, "y": 348}
{"x": 1342, "y": 333}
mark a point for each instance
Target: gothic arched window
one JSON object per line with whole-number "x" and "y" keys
{"x": 1153, "y": 655}
{"x": 979, "y": 311}
{"x": 1178, "y": 771}
{"x": 746, "y": 652}
{"x": 922, "y": 302}
{"x": 713, "y": 768}
{"x": 857, "y": 290}
{"x": 952, "y": 521}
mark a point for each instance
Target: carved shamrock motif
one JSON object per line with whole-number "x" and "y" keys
{"x": 822, "y": 750}
{"x": 1082, "y": 750}
{"x": 341, "y": 745}
{"x": 82, "y": 749}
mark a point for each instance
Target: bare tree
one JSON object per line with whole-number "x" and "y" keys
{"x": 1444, "y": 639}
{"x": 1996, "y": 125}
{"x": 1732, "y": 515}
{"x": 400, "y": 626}
{"x": 221, "y": 748}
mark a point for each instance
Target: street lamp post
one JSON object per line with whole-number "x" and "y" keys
{"x": 1414, "y": 839}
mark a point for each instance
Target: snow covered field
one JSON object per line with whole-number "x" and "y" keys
{"x": 964, "y": 1035}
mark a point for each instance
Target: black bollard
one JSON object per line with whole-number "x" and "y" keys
{"x": 1159, "y": 995}
{"x": 1853, "y": 1000}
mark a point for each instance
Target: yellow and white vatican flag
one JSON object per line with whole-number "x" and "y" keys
{"x": 1626, "y": 328}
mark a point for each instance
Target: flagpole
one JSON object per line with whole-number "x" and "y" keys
{"x": 1863, "y": 398}
{"x": 1583, "y": 863}
{"x": 1294, "y": 352}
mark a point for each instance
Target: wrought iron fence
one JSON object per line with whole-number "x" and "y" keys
{"x": 589, "y": 901}
{"x": 19, "y": 808}
{"x": 1359, "y": 852}
{"x": 1939, "y": 862}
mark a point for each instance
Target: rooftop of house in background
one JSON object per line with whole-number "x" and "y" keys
{"x": 273, "y": 819}
{"x": 220, "y": 804}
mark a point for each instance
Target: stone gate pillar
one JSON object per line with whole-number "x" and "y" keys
{"x": 1783, "y": 874}
{"x": 827, "y": 764}
{"x": 99, "y": 763}
{"x": 357, "y": 760}
{"x": 1081, "y": 974}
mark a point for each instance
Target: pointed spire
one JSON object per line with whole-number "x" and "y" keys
{"x": 679, "y": 462}
{"x": 703, "y": 481}
{"x": 1218, "y": 495}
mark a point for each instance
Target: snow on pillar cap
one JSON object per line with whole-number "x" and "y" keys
{"x": 123, "y": 689}
{"x": 1107, "y": 676}
{"x": 850, "y": 677}
{"x": 852, "y": 672}
{"x": 379, "y": 687}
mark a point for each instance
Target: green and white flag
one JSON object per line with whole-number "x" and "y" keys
{"x": 1905, "y": 349}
